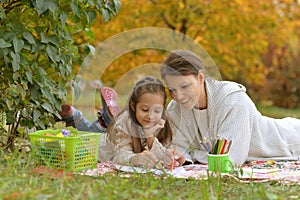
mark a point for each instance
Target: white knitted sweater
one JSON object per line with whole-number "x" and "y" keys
{"x": 233, "y": 115}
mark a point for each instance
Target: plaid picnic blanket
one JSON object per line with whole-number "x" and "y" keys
{"x": 255, "y": 171}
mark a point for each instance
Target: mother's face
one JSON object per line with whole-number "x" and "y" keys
{"x": 189, "y": 90}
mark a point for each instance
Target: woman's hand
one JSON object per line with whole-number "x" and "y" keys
{"x": 151, "y": 130}
{"x": 145, "y": 159}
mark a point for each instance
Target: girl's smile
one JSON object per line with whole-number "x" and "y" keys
{"x": 149, "y": 109}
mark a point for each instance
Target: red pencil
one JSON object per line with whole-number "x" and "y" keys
{"x": 223, "y": 147}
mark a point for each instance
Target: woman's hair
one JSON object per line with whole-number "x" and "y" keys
{"x": 181, "y": 62}
{"x": 154, "y": 86}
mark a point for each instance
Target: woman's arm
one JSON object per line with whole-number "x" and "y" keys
{"x": 235, "y": 123}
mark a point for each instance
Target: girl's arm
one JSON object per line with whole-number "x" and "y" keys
{"x": 123, "y": 145}
{"x": 151, "y": 131}
{"x": 125, "y": 154}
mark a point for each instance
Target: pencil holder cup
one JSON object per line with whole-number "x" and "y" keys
{"x": 219, "y": 163}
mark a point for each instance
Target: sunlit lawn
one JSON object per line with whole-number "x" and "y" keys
{"x": 18, "y": 182}
{"x": 279, "y": 112}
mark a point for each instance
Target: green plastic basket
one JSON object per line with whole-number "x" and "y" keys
{"x": 74, "y": 153}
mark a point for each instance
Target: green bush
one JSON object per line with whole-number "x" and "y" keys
{"x": 38, "y": 51}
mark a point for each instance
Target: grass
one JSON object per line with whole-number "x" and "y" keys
{"x": 277, "y": 112}
{"x": 18, "y": 182}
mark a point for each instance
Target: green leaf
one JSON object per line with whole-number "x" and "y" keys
{"x": 90, "y": 33}
{"x": 105, "y": 14}
{"x": 10, "y": 117}
{"x": 29, "y": 76}
{"x": 41, "y": 124}
{"x": 63, "y": 18}
{"x": 92, "y": 49}
{"x": 23, "y": 92}
{"x": 91, "y": 3}
{"x": 46, "y": 92}
{"x": 47, "y": 106}
{"x": 52, "y": 6}
{"x": 75, "y": 9}
{"x": 44, "y": 39}
{"x": 2, "y": 13}
{"x": 53, "y": 39}
{"x": 13, "y": 90}
{"x": 41, "y": 6}
{"x": 15, "y": 76}
{"x": 34, "y": 91}
{"x": 4, "y": 44}
{"x": 117, "y": 5}
{"x": 42, "y": 71}
{"x": 16, "y": 61}
{"x": 10, "y": 106}
{"x": 18, "y": 44}
{"x": 62, "y": 69}
{"x": 77, "y": 91}
{"x": 26, "y": 113}
{"x": 51, "y": 51}
{"x": 91, "y": 16}
{"x": 29, "y": 37}
{"x": 36, "y": 114}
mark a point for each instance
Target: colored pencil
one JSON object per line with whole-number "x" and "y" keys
{"x": 173, "y": 161}
{"x": 228, "y": 147}
{"x": 220, "y": 145}
{"x": 216, "y": 147}
{"x": 223, "y": 147}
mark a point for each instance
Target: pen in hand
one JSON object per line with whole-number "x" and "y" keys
{"x": 173, "y": 161}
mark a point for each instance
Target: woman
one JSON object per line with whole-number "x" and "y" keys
{"x": 204, "y": 108}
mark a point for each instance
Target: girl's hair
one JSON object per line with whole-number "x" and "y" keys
{"x": 154, "y": 86}
{"x": 181, "y": 62}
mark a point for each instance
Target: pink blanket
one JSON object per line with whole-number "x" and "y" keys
{"x": 257, "y": 171}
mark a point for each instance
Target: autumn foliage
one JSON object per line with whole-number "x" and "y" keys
{"x": 255, "y": 43}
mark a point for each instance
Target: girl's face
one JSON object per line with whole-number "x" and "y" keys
{"x": 149, "y": 109}
{"x": 189, "y": 91}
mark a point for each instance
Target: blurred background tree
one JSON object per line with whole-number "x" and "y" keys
{"x": 255, "y": 43}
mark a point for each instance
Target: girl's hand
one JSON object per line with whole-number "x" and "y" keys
{"x": 145, "y": 159}
{"x": 153, "y": 129}
{"x": 168, "y": 159}
{"x": 178, "y": 158}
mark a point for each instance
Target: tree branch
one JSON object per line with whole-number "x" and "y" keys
{"x": 167, "y": 22}
{"x": 8, "y": 7}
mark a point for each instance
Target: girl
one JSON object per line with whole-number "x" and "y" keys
{"x": 140, "y": 133}
{"x": 206, "y": 108}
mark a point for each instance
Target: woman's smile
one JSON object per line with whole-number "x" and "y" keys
{"x": 187, "y": 90}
